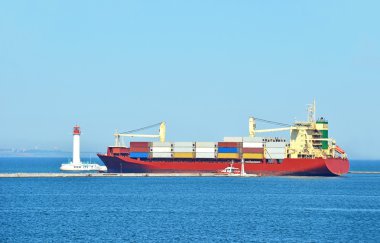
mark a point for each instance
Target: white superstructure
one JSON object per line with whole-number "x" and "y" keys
{"x": 77, "y": 164}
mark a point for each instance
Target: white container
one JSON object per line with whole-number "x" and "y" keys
{"x": 253, "y": 139}
{"x": 205, "y": 150}
{"x": 233, "y": 139}
{"x": 161, "y": 149}
{"x": 274, "y": 156}
{"x": 161, "y": 155}
{"x": 252, "y": 145}
{"x": 183, "y": 149}
{"x": 275, "y": 144}
{"x": 205, "y": 155}
{"x": 275, "y": 150}
{"x": 162, "y": 144}
{"x": 206, "y": 144}
{"x": 184, "y": 144}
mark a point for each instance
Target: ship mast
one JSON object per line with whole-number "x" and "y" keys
{"x": 242, "y": 171}
{"x": 312, "y": 110}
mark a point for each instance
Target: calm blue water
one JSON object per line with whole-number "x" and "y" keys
{"x": 266, "y": 209}
{"x": 31, "y": 165}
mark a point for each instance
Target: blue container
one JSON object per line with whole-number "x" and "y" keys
{"x": 139, "y": 155}
{"x": 228, "y": 150}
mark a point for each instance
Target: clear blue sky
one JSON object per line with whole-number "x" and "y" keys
{"x": 202, "y": 66}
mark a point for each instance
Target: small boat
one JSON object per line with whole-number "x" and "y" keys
{"x": 229, "y": 170}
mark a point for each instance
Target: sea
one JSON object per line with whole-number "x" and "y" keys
{"x": 187, "y": 209}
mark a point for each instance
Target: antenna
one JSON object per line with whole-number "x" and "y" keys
{"x": 311, "y": 110}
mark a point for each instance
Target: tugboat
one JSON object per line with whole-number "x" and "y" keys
{"x": 76, "y": 164}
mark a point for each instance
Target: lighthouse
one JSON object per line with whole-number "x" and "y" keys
{"x": 76, "y": 164}
{"x": 76, "y": 145}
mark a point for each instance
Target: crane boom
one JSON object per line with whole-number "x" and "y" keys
{"x": 136, "y": 135}
{"x": 274, "y": 130}
{"x": 253, "y": 131}
{"x": 161, "y": 135}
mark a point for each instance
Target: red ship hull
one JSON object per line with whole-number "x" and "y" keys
{"x": 301, "y": 166}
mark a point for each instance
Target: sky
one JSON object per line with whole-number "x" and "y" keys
{"x": 202, "y": 66}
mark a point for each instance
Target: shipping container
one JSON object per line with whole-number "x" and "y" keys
{"x": 161, "y": 155}
{"x": 205, "y": 155}
{"x": 140, "y": 149}
{"x": 253, "y": 150}
{"x": 162, "y": 144}
{"x": 274, "y": 156}
{"x": 205, "y": 150}
{"x": 184, "y": 149}
{"x": 206, "y": 144}
{"x": 275, "y": 144}
{"x": 252, "y": 145}
{"x": 253, "y": 139}
{"x": 233, "y": 139}
{"x": 228, "y": 150}
{"x": 275, "y": 150}
{"x": 184, "y": 155}
{"x": 229, "y": 144}
{"x": 228, "y": 156}
{"x": 139, "y": 155}
{"x": 184, "y": 144}
{"x": 119, "y": 150}
{"x": 253, "y": 156}
{"x": 161, "y": 149}
{"x": 140, "y": 144}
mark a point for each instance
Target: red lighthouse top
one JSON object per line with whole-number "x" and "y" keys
{"x": 76, "y": 130}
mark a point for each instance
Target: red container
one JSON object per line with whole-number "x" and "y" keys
{"x": 253, "y": 150}
{"x": 120, "y": 150}
{"x": 229, "y": 144}
{"x": 140, "y": 149}
{"x": 140, "y": 144}
{"x": 117, "y": 150}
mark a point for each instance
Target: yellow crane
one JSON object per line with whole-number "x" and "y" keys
{"x": 131, "y": 134}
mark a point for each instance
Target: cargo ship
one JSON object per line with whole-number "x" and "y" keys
{"x": 308, "y": 152}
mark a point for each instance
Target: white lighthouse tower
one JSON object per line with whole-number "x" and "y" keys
{"x": 76, "y": 164}
{"x": 76, "y": 145}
